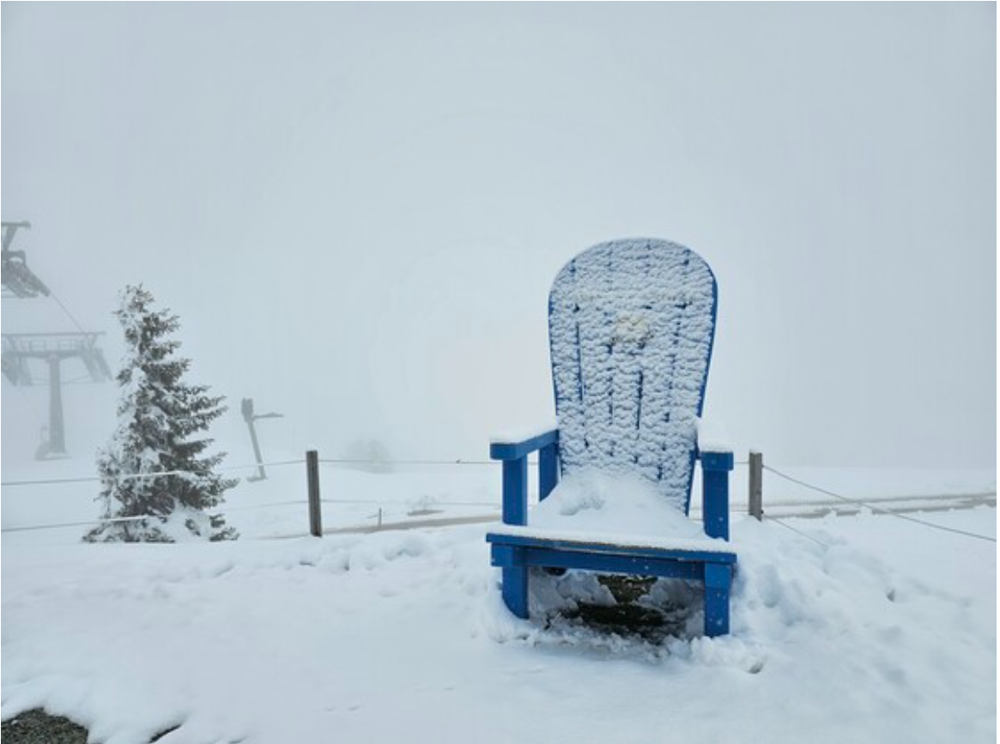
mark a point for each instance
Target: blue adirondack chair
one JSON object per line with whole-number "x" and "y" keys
{"x": 631, "y": 326}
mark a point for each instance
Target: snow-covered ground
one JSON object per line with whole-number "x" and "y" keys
{"x": 864, "y": 629}
{"x": 886, "y": 632}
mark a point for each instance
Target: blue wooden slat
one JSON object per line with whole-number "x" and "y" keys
{"x": 548, "y": 469}
{"x": 515, "y": 583}
{"x": 517, "y": 450}
{"x": 694, "y": 556}
{"x": 717, "y": 460}
{"x": 515, "y": 491}
{"x": 715, "y": 509}
{"x": 602, "y": 562}
{"x": 718, "y": 580}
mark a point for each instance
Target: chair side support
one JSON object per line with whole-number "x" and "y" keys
{"x": 514, "y": 456}
{"x": 548, "y": 469}
{"x": 715, "y": 468}
{"x": 515, "y": 491}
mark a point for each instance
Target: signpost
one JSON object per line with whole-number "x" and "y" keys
{"x": 246, "y": 408}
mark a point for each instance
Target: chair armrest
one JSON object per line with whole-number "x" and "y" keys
{"x": 714, "y": 449}
{"x": 713, "y": 438}
{"x": 516, "y": 445}
{"x": 513, "y": 451}
{"x": 716, "y": 455}
{"x": 716, "y": 461}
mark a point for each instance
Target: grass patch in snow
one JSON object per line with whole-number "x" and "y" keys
{"x": 642, "y": 608}
{"x": 38, "y": 727}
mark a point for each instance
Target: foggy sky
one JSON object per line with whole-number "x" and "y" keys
{"x": 357, "y": 211}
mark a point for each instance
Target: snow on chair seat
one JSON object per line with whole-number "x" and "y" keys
{"x": 631, "y": 327}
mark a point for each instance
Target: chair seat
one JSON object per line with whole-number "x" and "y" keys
{"x": 593, "y": 511}
{"x": 515, "y": 549}
{"x": 698, "y": 550}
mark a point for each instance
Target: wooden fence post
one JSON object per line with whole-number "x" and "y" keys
{"x": 312, "y": 474}
{"x": 756, "y": 486}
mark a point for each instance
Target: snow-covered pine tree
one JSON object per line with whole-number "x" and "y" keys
{"x": 159, "y": 416}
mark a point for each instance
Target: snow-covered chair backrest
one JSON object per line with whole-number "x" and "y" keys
{"x": 631, "y": 324}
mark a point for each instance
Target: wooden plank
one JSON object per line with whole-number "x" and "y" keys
{"x": 508, "y": 557}
{"x": 517, "y": 450}
{"x": 695, "y": 556}
{"x": 715, "y": 502}
{"x": 718, "y": 579}
{"x": 548, "y": 469}
{"x": 515, "y": 491}
{"x": 717, "y": 460}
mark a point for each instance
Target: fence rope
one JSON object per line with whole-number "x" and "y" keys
{"x": 880, "y": 510}
{"x": 432, "y": 503}
{"x": 276, "y": 463}
{"x": 769, "y": 518}
{"x": 113, "y": 520}
{"x": 254, "y": 466}
{"x": 457, "y": 461}
{"x": 415, "y": 502}
{"x": 49, "y": 481}
{"x": 144, "y": 476}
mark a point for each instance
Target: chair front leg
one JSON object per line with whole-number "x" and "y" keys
{"x": 515, "y": 511}
{"x": 515, "y": 584}
{"x": 718, "y": 579}
{"x": 515, "y": 491}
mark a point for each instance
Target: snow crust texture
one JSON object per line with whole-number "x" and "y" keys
{"x": 523, "y": 434}
{"x": 865, "y": 635}
{"x": 592, "y": 506}
{"x": 631, "y": 324}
